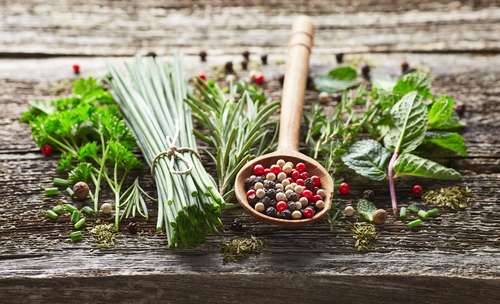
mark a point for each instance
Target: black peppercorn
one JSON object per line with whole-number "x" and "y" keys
{"x": 368, "y": 194}
{"x": 236, "y": 225}
{"x": 246, "y": 55}
{"x": 253, "y": 200}
{"x": 339, "y": 57}
{"x": 337, "y": 97}
{"x": 203, "y": 56}
{"x": 460, "y": 109}
{"x": 244, "y": 65}
{"x": 405, "y": 67}
{"x": 286, "y": 214}
{"x": 271, "y": 193}
{"x": 263, "y": 59}
{"x": 266, "y": 201}
{"x": 228, "y": 67}
{"x": 268, "y": 184}
{"x": 308, "y": 183}
{"x": 271, "y": 211}
{"x": 132, "y": 227}
{"x": 293, "y": 206}
{"x": 365, "y": 72}
{"x": 293, "y": 197}
{"x": 259, "y": 179}
{"x": 249, "y": 182}
{"x": 151, "y": 54}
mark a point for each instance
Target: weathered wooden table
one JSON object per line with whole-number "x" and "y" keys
{"x": 455, "y": 259}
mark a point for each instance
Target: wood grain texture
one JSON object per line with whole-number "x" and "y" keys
{"x": 114, "y": 28}
{"x": 453, "y": 259}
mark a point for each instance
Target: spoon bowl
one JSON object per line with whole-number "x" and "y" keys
{"x": 292, "y": 103}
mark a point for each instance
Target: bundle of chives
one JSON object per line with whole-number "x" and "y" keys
{"x": 151, "y": 96}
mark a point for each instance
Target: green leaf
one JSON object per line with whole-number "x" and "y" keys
{"x": 441, "y": 112}
{"x": 81, "y": 173}
{"x": 344, "y": 73}
{"x": 411, "y": 165}
{"x": 327, "y": 84}
{"x": 448, "y": 140}
{"x": 368, "y": 158}
{"x": 410, "y": 123}
{"x": 416, "y": 81}
{"x": 366, "y": 208}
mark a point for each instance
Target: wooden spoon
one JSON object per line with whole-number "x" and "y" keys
{"x": 291, "y": 114}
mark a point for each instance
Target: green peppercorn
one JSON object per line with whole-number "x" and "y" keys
{"x": 75, "y": 236}
{"x": 80, "y": 224}
{"x": 87, "y": 210}
{"x": 51, "y": 215}
{"x": 75, "y": 216}
{"x": 59, "y": 209}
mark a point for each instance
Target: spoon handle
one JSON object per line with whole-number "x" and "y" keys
{"x": 297, "y": 71}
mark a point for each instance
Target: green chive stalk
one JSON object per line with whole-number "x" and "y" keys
{"x": 152, "y": 96}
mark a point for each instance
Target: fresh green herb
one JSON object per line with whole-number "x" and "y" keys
{"x": 455, "y": 197}
{"x": 413, "y": 208}
{"x": 238, "y": 126}
{"x": 337, "y": 80}
{"x": 104, "y": 235}
{"x": 152, "y": 97}
{"x": 239, "y": 248}
{"x": 75, "y": 216}
{"x": 89, "y": 131}
{"x": 365, "y": 235}
{"x": 370, "y": 213}
{"x": 134, "y": 202}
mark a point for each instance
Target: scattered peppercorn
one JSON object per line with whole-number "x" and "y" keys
{"x": 151, "y": 54}
{"x": 203, "y": 56}
{"x": 244, "y": 65}
{"x": 80, "y": 191}
{"x": 365, "y": 72}
{"x": 76, "y": 69}
{"x": 132, "y": 228}
{"x": 339, "y": 57}
{"x": 263, "y": 59}
{"x": 236, "y": 225}
{"x": 324, "y": 97}
{"x": 405, "y": 67}
{"x": 246, "y": 55}
{"x": 417, "y": 190}
{"x": 106, "y": 208}
{"x": 228, "y": 67}
{"x": 202, "y": 76}
{"x": 344, "y": 188}
{"x": 460, "y": 109}
{"x": 368, "y": 194}
{"x": 258, "y": 79}
{"x": 349, "y": 211}
{"x": 47, "y": 150}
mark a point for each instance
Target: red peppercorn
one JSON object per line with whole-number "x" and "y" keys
{"x": 300, "y": 182}
{"x": 417, "y": 190}
{"x": 258, "y": 169}
{"x": 344, "y": 188}
{"x": 258, "y": 79}
{"x": 76, "y": 68}
{"x": 275, "y": 169}
{"x": 281, "y": 205}
{"x": 47, "y": 150}
{"x": 295, "y": 174}
{"x": 202, "y": 76}
{"x": 301, "y": 167}
{"x": 316, "y": 198}
{"x": 316, "y": 180}
{"x": 304, "y": 175}
{"x": 250, "y": 192}
{"x": 308, "y": 194}
{"x": 267, "y": 170}
{"x": 309, "y": 212}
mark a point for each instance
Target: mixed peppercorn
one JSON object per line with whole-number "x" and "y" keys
{"x": 285, "y": 191}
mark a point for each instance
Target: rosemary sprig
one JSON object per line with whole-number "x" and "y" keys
{"x": 239, "y": 127}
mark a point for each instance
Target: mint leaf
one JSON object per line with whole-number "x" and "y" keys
{"x": 441, "y": 112}
{"x": 411, "y": 165}
{"x": 345, "y": 73}
{"x": 416, "y": 81}
{"x": 327, "y": 84}
{"x": 451, "y": 141}
{"x": 368, "y": 158}
{"x": 410, "y": 123}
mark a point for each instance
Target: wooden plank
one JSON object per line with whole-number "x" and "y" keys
{"x": 38, "y": 28}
